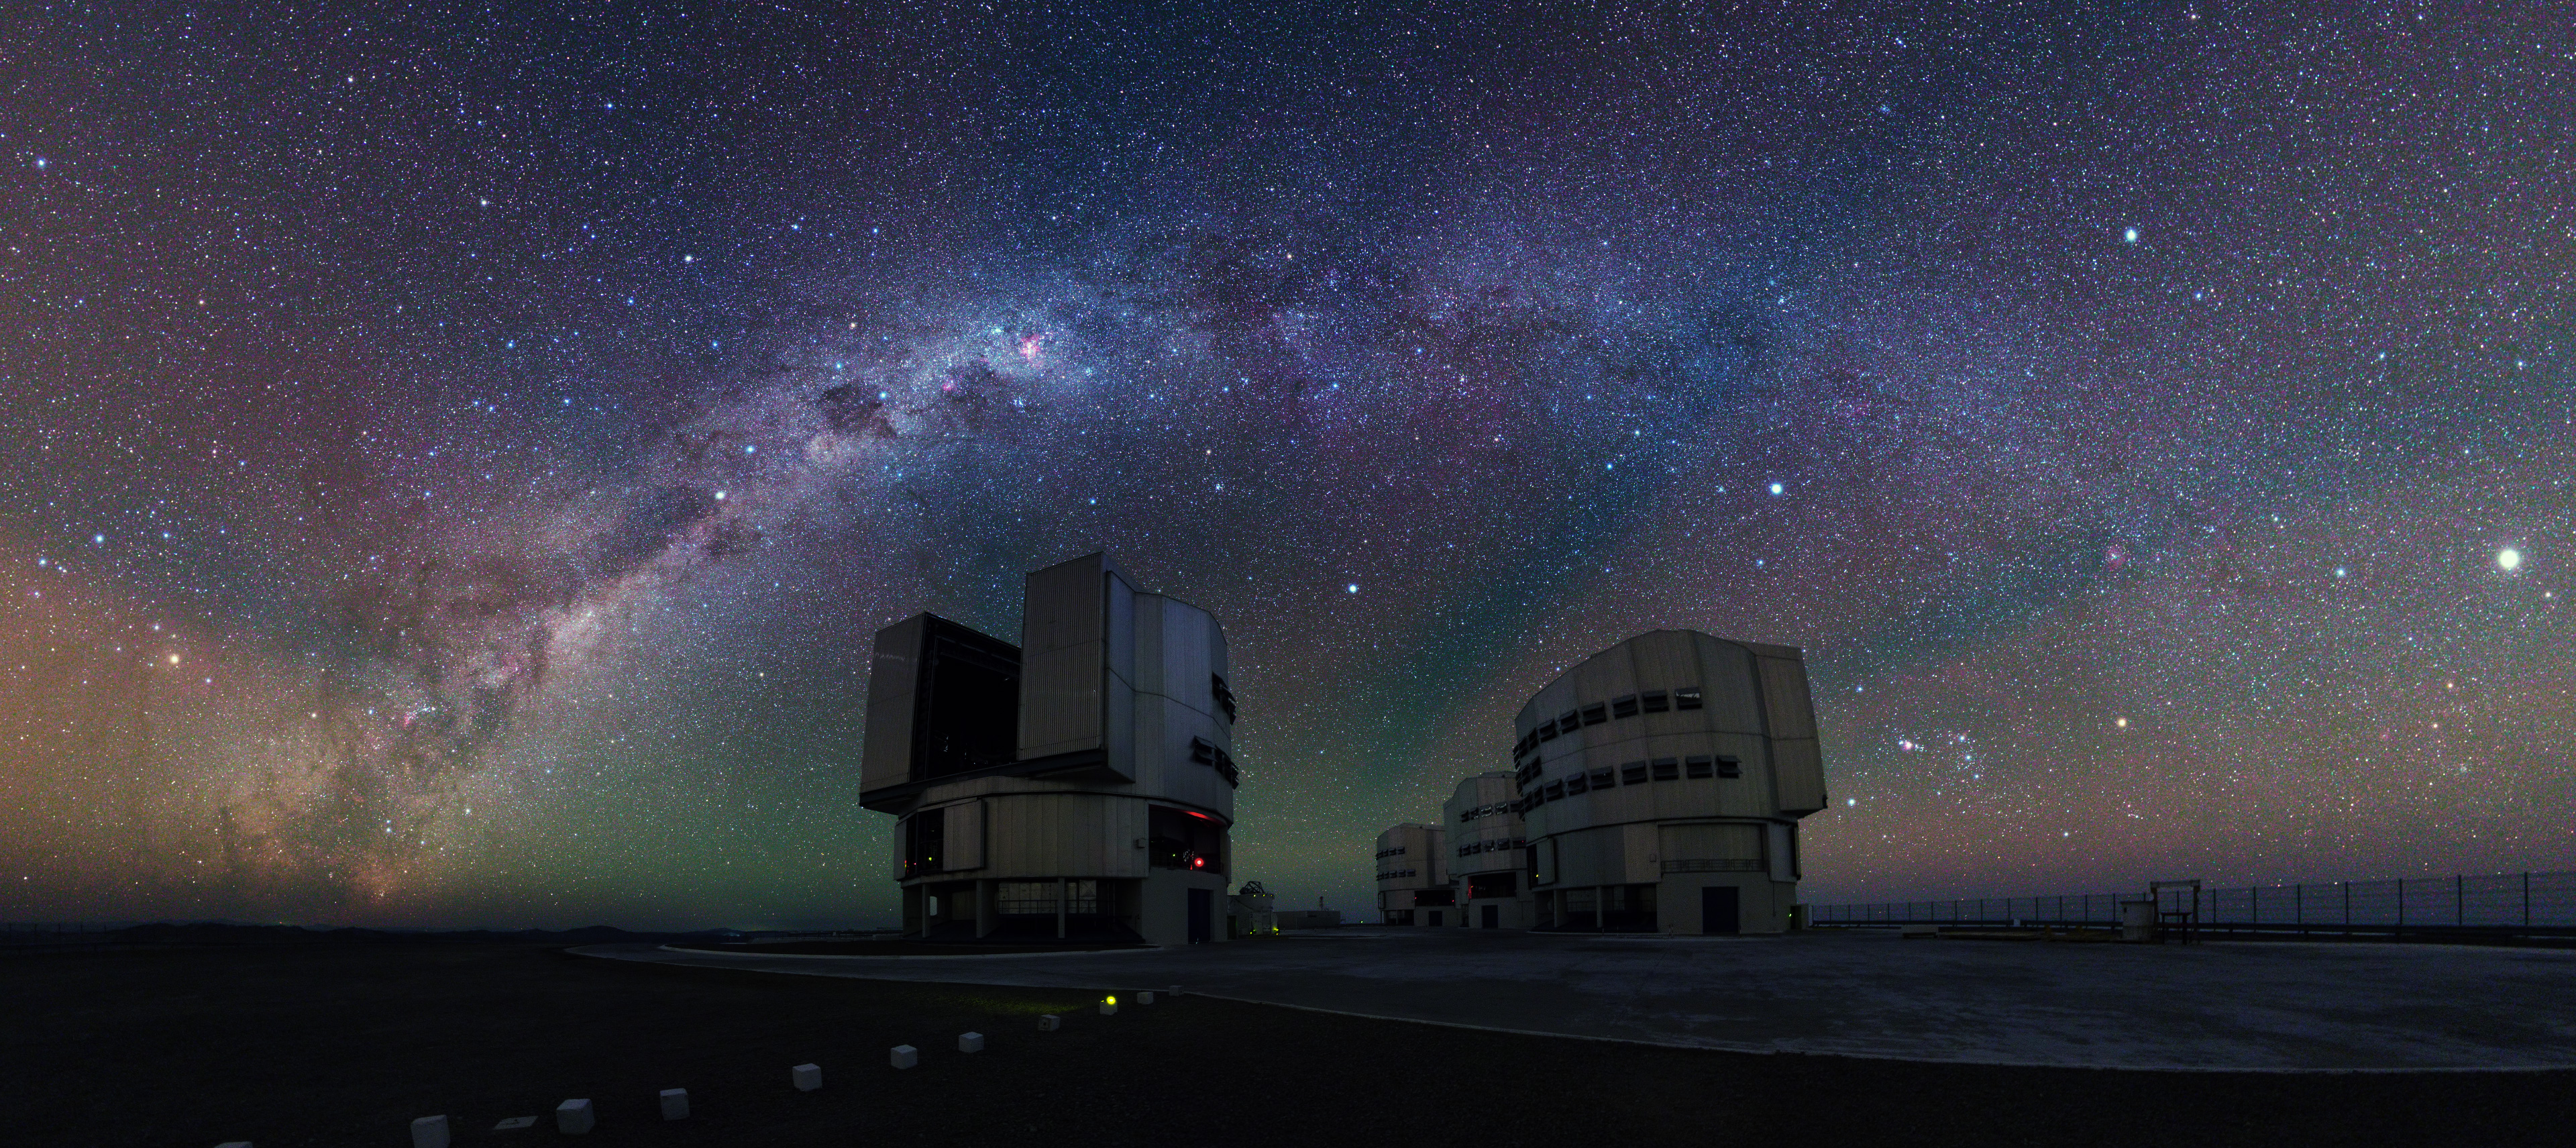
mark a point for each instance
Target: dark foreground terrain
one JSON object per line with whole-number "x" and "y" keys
{"x": 344, "y": 1044}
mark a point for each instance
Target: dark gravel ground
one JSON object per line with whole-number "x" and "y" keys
{"x": 343, "y": 1044}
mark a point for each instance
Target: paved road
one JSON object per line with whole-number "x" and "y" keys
{"x": 2247, "y": 1005}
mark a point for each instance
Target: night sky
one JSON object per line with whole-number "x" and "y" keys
{"x": 454, "y": 457}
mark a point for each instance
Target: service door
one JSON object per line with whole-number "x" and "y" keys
{"x": 1717, "y": 910}
{"x": 1201, "y": 910}
{"x": 1493, "y": 916}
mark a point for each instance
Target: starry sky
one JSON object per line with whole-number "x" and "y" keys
{"x": 454, "y": 456}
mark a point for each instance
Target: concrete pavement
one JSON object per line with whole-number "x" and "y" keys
{"x": 2231, "y": 1005}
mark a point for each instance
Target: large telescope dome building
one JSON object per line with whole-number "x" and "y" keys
{"x": 1486, "y": 851}
{"x": 1080, "y": 784}
{"x": 1413, "y": 877}
{"x": 1661, "y": 785}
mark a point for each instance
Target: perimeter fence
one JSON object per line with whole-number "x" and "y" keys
{"x": 2495, "y": 906}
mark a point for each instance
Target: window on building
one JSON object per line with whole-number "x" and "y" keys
{"x": 1502, "y": 884}
{"x": 1023, "y": 898}
{"x": 1653, "y": 701}
{"x": 1698, "y": 765}
{"x": 1633, "y": 773}
{"x": 1686, "y": 698}
{"x": 1547, "y": 731}
{"x": 1577, "y": 784}
{"x": 1399, "y": 916}
{"x": 1601, "y": 778}
{"x": 1555, "y": 790}
{"x": 1668, "y": 769}
{"x": 1625, "y": 705}
{"x": 1595, "y": 714}
{"x": 1435, "y": 896}
{"x": 1224, "y": 696}
{"x": 1727, "y": 766}
{"x": 1567, "y": 722}
{"x": 1202, "y": 751}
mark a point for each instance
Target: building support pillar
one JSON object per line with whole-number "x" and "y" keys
{"x": 983, "y": 908}
{"x": 1060, "y": 893}
{"x": 1601, "y": 908}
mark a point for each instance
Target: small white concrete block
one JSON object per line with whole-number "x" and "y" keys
{"x": 1145, "y": 997}
{"x": 1176, "y": 990}
{"x": 575, "y": 1118}
{"x": 808, "y": 1077}
{"x": 903, "y": 1056}
{"x": 675, "y": 1104}
{"x": 1109, "y": 1008}
{"x": 515, "y": 1124}
{"x": 1050, "y": 1022}
{"x": 970, "y": 1042}
{"x": 429, "y": 1132}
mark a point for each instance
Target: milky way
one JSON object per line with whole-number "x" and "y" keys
{"x": 456, "y": 462}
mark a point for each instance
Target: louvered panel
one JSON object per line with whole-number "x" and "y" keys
{"x": 1784, "y": 690}
{"x": 1729, "y": 691}
{"x": 893, "y": 675}
{"x": 1063, "y": 651}
{"x": 964, "y": 832}
{"x": 1800, "y": 772}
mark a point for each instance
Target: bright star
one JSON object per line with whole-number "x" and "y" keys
{"x": 2509, "y": 558}
{"x": 1353, "y": 588}
{"x": 2129, "y": 236}
{"x": 1777, "y": 489}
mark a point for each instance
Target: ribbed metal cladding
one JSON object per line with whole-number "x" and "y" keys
{"x": 1061, "y": 657}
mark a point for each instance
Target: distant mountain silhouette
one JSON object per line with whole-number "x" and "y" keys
{"x": 227, "y": 933}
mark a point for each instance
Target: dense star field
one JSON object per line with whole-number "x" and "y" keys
{"x": 454, "y": 457}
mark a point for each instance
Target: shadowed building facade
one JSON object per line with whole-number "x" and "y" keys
{"x": 1413, "y": 877}
{"x": 1487, "y": 853}
{"x": 1661, "y": 784}
{"x": 1080, "y": 784}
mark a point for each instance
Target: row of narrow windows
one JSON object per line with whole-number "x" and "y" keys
{"x": 1633, "y": 773}
{"x": 1383, "y": 854}
{"x": 1486, "y": 811}
{"x": 1394, "y": 874}
{"x": 1472, "y": 848}
{"x": 1207, "y": 753}
{"x": 1623, "y": 706}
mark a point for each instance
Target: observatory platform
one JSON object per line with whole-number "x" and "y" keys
{"x": 2246, "y": 1006}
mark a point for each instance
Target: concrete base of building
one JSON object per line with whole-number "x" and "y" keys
{"x": 1682, "y": 904}
{"x": 1166, "y": 907}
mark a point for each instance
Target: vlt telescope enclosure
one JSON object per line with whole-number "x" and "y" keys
{"x": 1079, "y": 785}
